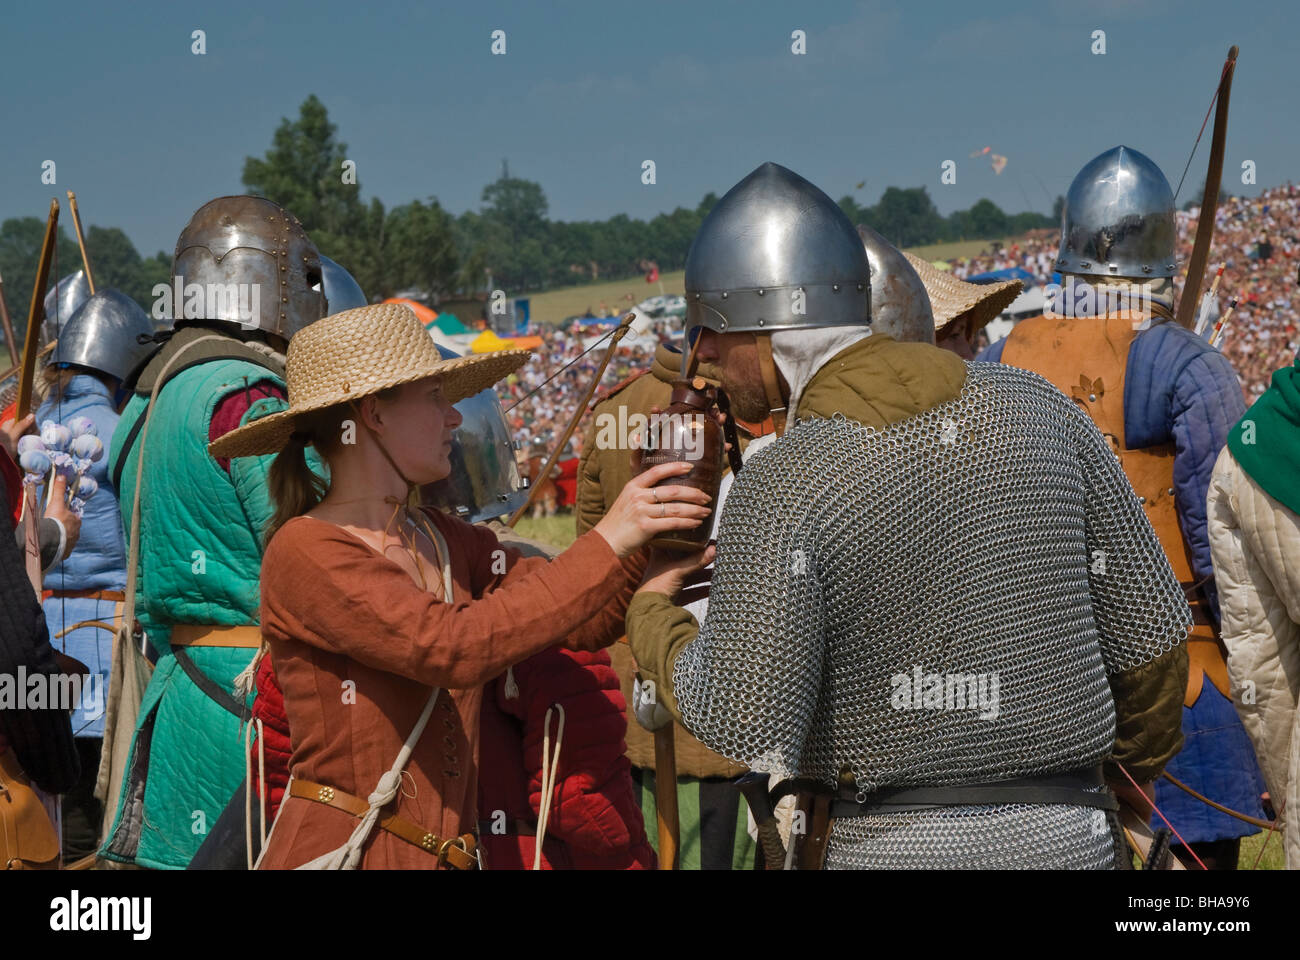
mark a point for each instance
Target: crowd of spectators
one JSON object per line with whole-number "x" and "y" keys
{"x": 538, "y": 421}
{"x": 1034, "y": 253}
{"x": 1257, "y": 239}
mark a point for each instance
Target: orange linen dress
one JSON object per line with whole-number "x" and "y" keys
{"x": 357, "y": 645}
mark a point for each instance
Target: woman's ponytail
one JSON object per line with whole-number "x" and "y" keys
{"x": 295, "y": 487}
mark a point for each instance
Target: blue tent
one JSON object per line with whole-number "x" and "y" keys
{"x": 592, "y": 321}
{"x": 997, "y": 276}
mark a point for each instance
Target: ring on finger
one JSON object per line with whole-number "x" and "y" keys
{"x": 655, "y": 491}
{"x": 663, "y": 510}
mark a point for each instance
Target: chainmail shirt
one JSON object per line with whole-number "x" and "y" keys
{"x": 993, "y": 539}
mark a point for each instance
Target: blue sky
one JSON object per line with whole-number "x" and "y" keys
{"x": 145, "y": 131}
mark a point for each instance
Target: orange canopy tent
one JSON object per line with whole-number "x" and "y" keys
{"x": 426, "y": 315}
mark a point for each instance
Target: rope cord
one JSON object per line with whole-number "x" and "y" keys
{"x": 550, "y": 766}
{"x": 1161, "y": 815}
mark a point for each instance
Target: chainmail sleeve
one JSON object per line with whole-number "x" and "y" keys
{"x": 746, "y": 687}
{"x": 1140, "y": 611}
{"x": 1139, "y": 608}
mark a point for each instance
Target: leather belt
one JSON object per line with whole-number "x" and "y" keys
{"x": 247, "y": 637}
{"x": 1067, "y": 789}
{"x": 113, "y": 596}
{"x": 457, "y": 852}
{"x": 206, "y": 635}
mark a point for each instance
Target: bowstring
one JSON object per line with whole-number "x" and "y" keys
{"x": 1213, "y": 100}
{"x": 598, "y": 342}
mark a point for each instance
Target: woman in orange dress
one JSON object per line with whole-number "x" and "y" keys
{"x": 383, "y": 620}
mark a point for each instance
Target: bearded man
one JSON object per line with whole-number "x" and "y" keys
{"x": 936, "y": 601}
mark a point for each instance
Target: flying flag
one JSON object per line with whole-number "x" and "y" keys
{"x": 999, "y": 163}
{"x": 980, "y": 153}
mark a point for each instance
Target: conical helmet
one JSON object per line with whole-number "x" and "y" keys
{"x": 1118, "y": 219}
{"x": 342, "y": 292}
{"x": 776, "y": 253}
{"x": 900, "y": 305}
{"x": 484, "y": 481}
{"x": 62, "y": 301}
{"x": 247, "y": 261}
{"x": 102, "y": 335}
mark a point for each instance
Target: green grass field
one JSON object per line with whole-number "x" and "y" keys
{"x": 1273, "y": 859}
{"x": 554, "y": 306}
{"x": 558, "y": 530}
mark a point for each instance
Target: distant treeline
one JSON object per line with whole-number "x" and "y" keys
{"x": 908, "y": 218}
{"x": 421, "y": 246}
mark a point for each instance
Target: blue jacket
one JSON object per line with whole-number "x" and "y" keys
{"x": 1178, "y": 388}
{"x": 97, "y": 563}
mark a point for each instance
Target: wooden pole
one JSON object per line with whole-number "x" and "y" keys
{"x": 12, "y": 371}
{"x": 1209, "y": 201}
{"x": 668, "y": 820}
{"x": 36, "y": 313}
{"x": 81, "y": 242}
{"x": 691, "y": 363}
{"x": 11, "y": 344}
{"x": 623, "y": 327}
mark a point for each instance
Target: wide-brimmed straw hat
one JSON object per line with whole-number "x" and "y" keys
{"x": 952, "y": 299}
{"x": 356, "y": 353}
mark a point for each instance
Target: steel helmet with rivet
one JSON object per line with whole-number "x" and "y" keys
{"x": 246, "y": 251}
{"x": 1118, "y": 219}
{"x": 776, "y": 253}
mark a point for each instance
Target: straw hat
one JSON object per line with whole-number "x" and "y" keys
{"x": 356, "y": 353}
{"x": 953, "y": 299}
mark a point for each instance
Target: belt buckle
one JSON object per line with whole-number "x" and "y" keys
{"x": 326, "y": 795}
{"x": 447, "y": 845}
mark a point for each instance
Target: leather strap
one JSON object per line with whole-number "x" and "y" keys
{"x": 1205, "y": 658}
{"x": 771, "y": 385}
{"x": 140, "y": 421}
{"x": 210, "y": 688}
{"x": 457, "y": 852}
{"x": 112, "y": 596}
{"x": 206, "y": 635}
{"x": 729, "y": 433}
{"x": 812, "y": 852}
{"x": 1069, "y": 789}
